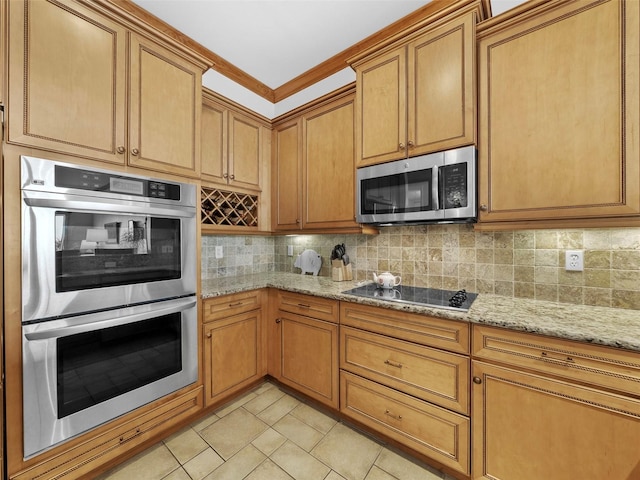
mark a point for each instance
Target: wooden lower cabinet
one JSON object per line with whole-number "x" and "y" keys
{"x": 309, "y": 357}
{"x": 528, "y": 427}
{"x": 426, "y": 428}
{"x": 427, "y": 373}
{"x": 105, "y": 447}
{"x": 234, "y": 344}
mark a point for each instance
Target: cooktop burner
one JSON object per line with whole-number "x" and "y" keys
{"x": 432, "y": 297}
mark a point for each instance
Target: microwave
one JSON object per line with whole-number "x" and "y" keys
{"x": 435, "y": 188}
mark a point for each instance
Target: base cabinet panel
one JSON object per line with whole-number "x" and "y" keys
{"x": 430, "y": 430}
{"x": 527, "y": 427}
{"x": 310, "y": 357}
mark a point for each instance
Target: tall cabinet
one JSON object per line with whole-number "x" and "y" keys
{"x": 82, "y": 83}
{"x": 558, "y": 117}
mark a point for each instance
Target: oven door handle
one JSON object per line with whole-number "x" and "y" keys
{"x": 75, "y": 202}
{"x": 113, "y": 322}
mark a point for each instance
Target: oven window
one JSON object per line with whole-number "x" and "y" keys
{"x": 399, "y": 193}
{"x": 100, "y": 250}
{"x": 96, "y": 366}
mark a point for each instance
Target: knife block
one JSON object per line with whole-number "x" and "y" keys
{"x": 340, "y": 272}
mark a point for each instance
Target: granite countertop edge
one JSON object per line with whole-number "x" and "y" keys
{"x": 611, "y": 327}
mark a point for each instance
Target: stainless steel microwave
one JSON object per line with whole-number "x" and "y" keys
{"x": 435, "y": 188}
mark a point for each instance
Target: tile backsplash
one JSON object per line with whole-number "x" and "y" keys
{"x": 526, "y": 263}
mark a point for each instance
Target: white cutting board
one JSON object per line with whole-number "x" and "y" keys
{"x": 309, "y": 262}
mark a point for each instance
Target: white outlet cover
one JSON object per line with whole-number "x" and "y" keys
{"x": 218, "y": 251}
{"x": 574, "y": 260}
{"x": 290, "y": 250}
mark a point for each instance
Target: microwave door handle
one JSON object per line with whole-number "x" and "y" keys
{"x": 435, "y": 194}
{"x": 113, "y": 322}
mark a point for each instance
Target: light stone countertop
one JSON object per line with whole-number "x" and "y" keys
{"x": 612, "y": 327}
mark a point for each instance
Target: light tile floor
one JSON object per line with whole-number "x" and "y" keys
{"x": 268, "y": 434}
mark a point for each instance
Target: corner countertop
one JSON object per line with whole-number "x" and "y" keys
{"x": 613, "y": 327}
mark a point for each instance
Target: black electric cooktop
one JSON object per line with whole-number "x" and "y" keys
{"x": 430, "y": 297}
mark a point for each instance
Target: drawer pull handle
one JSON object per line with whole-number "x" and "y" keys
{"x": 393, "y": 364}
{"x": 237, "y": 304}
{"x": 389, "y": 414}
{"x": 126, "y": 439}
{"x": 303, "y": 305}
{"x": 567, "y": 359}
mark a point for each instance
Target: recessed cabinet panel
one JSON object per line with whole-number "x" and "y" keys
{"x": 245, "y": 151}
{"x": 441, "y": 88}
{"x": 527, "y": 427}
{"x": 559, "y": 118}
{"x": 381, "y": 116}
{"x": 66, "y": 79}
{"x": 329, "y": 168}
{"x": 214, "y": 141}
{"x": 165, "y": 110}
{"x": 286, "y": 174}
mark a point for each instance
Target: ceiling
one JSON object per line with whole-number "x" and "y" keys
{"x": 275, "y": 41}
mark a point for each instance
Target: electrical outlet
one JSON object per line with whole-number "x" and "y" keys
{"x": 218, "y": 251}
{"x": 574, "y": 260}
{"x": 290, "y": 250}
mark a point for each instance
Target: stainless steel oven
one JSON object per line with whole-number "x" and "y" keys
{"x": 109, "y": 312}
{"x": 85, "y": 370}
{"x": 95, "y": 239}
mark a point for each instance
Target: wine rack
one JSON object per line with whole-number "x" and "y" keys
{"x": 220, "y": 207}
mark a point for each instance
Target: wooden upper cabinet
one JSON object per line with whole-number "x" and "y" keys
{"x": 165, "y": 92}
{"x": 328, "y": 172}
{"x": 232, "y": 145}
{"x": 559, "y": 118}
{"x": 83, "y": 84}
{"x": 67, "y": 80}
{"x": 381, "y": 118}
{"x": 418, "y": 96}
{"x": 286, "y": 173}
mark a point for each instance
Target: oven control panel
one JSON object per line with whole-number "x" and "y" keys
{"x": 82, "y": 179}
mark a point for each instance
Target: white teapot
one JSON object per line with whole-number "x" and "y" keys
{"x": 386, "y": 280}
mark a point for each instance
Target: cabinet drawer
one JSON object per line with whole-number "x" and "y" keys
{"x": 593, "y": 364}
{"x": 308, "y": 305}
{"x": 106, "y": 445}
{"x": 227, "y": 305}
{"x": 423, "y": 329}
{"x": 432, "y": 431}
{"x": 430, "y": 374}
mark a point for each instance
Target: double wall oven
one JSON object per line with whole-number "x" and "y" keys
{"x": 109, "y": 312}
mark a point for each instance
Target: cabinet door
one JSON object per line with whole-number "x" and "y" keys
{"x": 233, "y": 353}
{"x": 328, "y": 166}
{"x": 559, "y": 118}
{"x": 245, "y": 151}
{"x": 214, "y": 142}
{"x": 165, "y": 104}
{"x": 310, "y": 357}
{"x": 286, "y": 175}
{"x": 441, "y": 87}
{"x": 527, "y": 427}
{"x": 381, "y": 113}
{"x": 67, "y": 77}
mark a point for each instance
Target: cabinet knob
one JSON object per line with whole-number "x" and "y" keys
{"x": 232, "y": 176}
{"x": 120, "y": 149}
{"x": 135, "y": 151}
{"x": 410, "y": 144}
{"x": 278, "y": 320}
{"x": 484, "y": 207}
{"x": 225, "y": 175}
{"x": 209, "y": 335}
{"x": 401, "y": 146}
{"x": 477, "y": 380}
